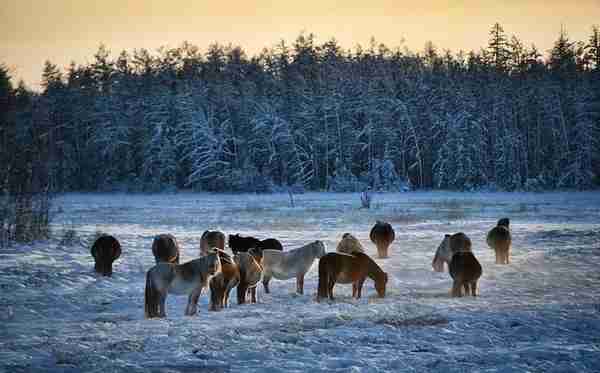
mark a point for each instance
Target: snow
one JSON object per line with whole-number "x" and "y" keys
{"x": 541, "y": 313}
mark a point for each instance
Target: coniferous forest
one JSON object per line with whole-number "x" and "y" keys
{"x": 309, "y": 116}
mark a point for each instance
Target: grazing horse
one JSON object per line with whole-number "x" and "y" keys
{"x": 464, "y": 268}
{"x": 499, "y": 239}
{"x": 239, "y": 244}
{"x": 346, "y": 269}
{"x": 222, "y": 283}
{"x": 105, "y": 251}
{"x": 165, "y": 249}
{"x": 179, "y": 279}
{"x": 211, "y": 239}
{"x": 349, "y": 245}
{"x": 382, "y": 235}
{"x": 284, "y": 265}
{"x": 250, "y": 275}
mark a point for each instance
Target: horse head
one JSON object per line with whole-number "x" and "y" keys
{"x": 443, "y": 254}
{"x": 381, "y": 284}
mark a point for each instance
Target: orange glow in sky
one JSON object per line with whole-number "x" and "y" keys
{"x": 32, "y": 31}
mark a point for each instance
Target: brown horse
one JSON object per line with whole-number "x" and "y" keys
{"x": 500, "y": 240}
{"x": 105, "y": 251}
{"x": 250, "y": 274}
{"x": 346, "y": 269}
{"x": 165, "y": 249}
{"x": 179, "y": 279}
{"x": 210, "y": 240}
{"x": 222, "y": 283}
{"x": 382, "y": 235}
{"x": 464, "y": 268}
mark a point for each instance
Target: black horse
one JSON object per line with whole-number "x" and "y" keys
{"x": 239, "y": 244}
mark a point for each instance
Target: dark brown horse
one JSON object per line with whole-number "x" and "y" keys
{"x": 165, "y": 249}
{"x": 500, "y": 240}
{"x": 239, "y": 244}
{"x": 464, "y": 268}
{"x": 222, "y": 283}
{"x": 211, "y": 240}
{"x": 346, "y": 269}
{"x": 105, "y": 251}
{"x": 382, "y": 235}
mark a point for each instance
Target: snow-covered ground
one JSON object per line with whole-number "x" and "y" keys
{"x": 541, "y": 313}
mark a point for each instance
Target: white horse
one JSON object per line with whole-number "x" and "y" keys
{"x": 179, "y": 279}
{"x": 284, "y": 265}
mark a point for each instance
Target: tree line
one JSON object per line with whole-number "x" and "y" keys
{"x": 309, "y": 116}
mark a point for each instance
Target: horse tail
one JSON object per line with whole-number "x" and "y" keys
{"x": 151, "y": 298}
{"x": 323, "y": 280}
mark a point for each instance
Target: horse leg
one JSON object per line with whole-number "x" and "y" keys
{"x": 467, "y": 288}
{"x": 162, "y": 309}
{"x": 253, "y": 294}
{"x": 192, "y": 306}
{"x": 507, "y": 258}
{"x": 330, "y": 289}
{"x": 359, "y": 287}
{"x": 456, "y": 289}
{"x": 354, "y": 289}
{"x": 300, "y": 284}
{"x": 474, "y": 288}
{"x": 241, "y": 293}
{"x": 265, "y": 281}
{"x": 499, "y": 259}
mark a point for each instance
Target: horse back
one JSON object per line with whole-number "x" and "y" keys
{"x": 464, "y": 267}
{"x": 382, "y": 232}
{"x": 499, "y": 235}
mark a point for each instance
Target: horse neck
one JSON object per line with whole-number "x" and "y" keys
{"x": 373, "y": 270}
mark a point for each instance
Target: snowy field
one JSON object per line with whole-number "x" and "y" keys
{"x": 541, "y": 313}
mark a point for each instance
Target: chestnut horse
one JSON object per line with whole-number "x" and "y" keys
{"x": 499, "y": 239}
{"x": 250, "y": 275}
{"x": 105, "y": 251}
{"x": 382, "y": 235}
{"x": 165, "y": 249}
{"x": 210, "y": 240}
{"x": 222, "y": 283}
{"x": 179, "y": 279}
{"x": 346, "y": 269}
{"x": 464, "y": 268}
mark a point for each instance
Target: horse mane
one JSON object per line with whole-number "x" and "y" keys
{"x": 373, "y": 267}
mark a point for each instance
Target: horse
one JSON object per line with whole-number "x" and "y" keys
{"x": 349, "y": 245}
{"x": 221, "y": 284}
{"x": 105, "y": 251}
{"x": 382, "y": 235}
{"x": 250, "y": 274}
{"x": 179, "y": 279}
{"x": 289, "y": 264}
{"x": 464, "y": 268}
{"x": 165, "y": 249}
{"x": 269, "y": 244}
{"x": 345, "y": 269}
{"x": 211, "y": 239}
{"x": 499, "y": 239}
{"x": 240, "y": 244}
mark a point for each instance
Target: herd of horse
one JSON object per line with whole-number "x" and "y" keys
{"x": 254, "y": 260}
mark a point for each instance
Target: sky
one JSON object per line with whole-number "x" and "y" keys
{"x": 62, "y": 31}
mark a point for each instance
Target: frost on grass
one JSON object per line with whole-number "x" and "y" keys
{"x": 541, "y": 313}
